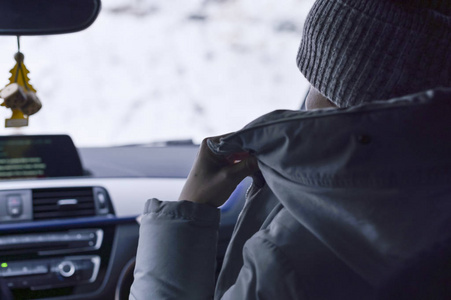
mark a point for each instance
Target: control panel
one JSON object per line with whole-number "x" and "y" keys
{"x": 72, "y": 257}
{"x": 50, "y": 273}
{"x": 54, "y": 242}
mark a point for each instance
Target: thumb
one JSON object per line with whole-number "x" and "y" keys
{"x": 244, "y": 168}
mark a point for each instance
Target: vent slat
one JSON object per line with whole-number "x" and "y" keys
{"x": 45, "y": 203}
{"x": 54, "y": 201}
{"x": 69, "y": 208}
{"x": 63, "y": 214}
{"x": 62, "y": 193}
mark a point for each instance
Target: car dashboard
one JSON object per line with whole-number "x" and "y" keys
{"x": 75, "y": 237}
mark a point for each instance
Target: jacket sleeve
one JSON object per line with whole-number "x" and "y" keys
{"x": 176, "y": 251}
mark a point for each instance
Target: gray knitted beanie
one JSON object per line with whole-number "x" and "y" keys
{"x": 356, "y": 51}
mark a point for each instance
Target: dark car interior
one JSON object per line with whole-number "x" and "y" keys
{"x": 62, "y": 236}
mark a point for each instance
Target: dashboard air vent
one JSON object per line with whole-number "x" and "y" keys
{"x": 57, "y": 203}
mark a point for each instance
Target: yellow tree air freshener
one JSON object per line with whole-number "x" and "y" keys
{"x": 19, "y": 95}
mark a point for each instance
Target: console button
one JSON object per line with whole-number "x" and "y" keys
{"x": 14, "y": 205}
{"x": 39, "y": 268}
{"x": 102, "y": 200}
{"x": 66, "y": 269}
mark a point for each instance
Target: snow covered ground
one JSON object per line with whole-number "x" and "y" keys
{"x": 154, "y": 70}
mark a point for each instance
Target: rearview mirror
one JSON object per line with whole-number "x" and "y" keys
{"x": 40, "y": 17}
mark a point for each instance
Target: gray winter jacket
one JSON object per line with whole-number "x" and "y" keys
{"x": 353, "y": 198}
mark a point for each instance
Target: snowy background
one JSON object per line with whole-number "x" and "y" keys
{"x": 155, "y": 70}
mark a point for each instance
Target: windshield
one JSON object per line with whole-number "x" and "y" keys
{"x": 149, "y": 71}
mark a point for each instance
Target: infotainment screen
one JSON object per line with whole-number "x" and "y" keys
{"x": 38, "y": 156}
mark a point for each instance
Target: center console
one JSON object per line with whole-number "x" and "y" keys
{"x": 55, "y": 241}
{"x": 51, "y": 273}
{"x": 60, "y": 236}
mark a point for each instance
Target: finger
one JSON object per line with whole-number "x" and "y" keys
{"x": 214, "y": 139}
{"x": 236, "y": 157}
{"x": 221, "y": 159}
{"x": 206, "y": 153}
{"x": 243, "y": 169}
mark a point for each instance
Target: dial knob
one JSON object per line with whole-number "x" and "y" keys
{"x": 66, "y": 268}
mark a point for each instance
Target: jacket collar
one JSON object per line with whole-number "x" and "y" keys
{"x": 371, "y": 182}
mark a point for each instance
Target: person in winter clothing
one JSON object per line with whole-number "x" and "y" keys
{"x": 354, "y": 200}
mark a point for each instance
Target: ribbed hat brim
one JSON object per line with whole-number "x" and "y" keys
{"x": 359, "y": 51}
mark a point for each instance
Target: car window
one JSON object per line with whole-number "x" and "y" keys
{"x": 150, "y": 71}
